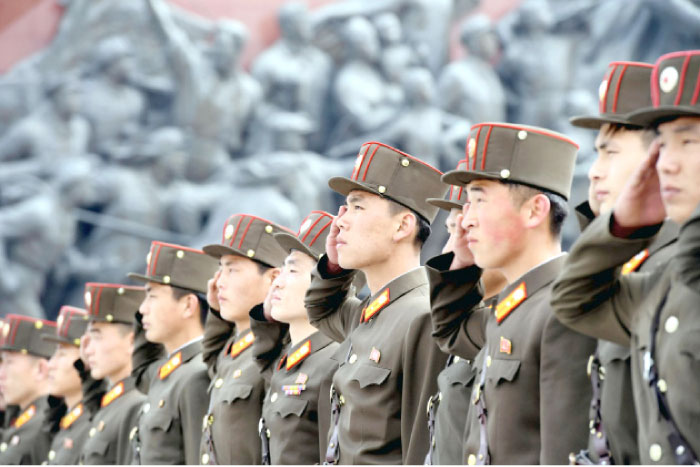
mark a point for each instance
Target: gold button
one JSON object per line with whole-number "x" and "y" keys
{"x": 268, "y": 229}
{"x": 599, "y": 435}
{"x": 166, "y": 279}
{"x": 572, "y": 458}
{"x": 52, "y": 455}
{"x": 273, "y": 398}
{"x": 38, "y": 324}
{"x": 93, "y": 430}
{"x": 267, "y": 433}
{"x": 88, "y": 299}
{"x": 146, "y": 407}
{"x": 109, "y": 318}
{"x": 132, "y": 433}
{"x": 661, "y": 384}
{"x": 237, "y": 373}
{"x": 180, "y": 254}
{"x": 250, "y": 253}
{"x": 481, "y": 456}
{"x": 341, "y": 399}
{"x": 353, "y": 358}
{"x": 210, "y": 420}
{"x": 120, "y": 291}
{"x": 219, "y": 382}
{"x": 471, "y": 460}
{"x": 505, "y": 173}
{"x": 671, "y": 324}
{"x": 3, "y": 447}
{"x": 161, "y": 403}
{"x": 655, "y": 452}
{"x": 381, "y": 189}
{"x": 488, "y": 360}
{"x": 331, "y": 444}
{"x": 227, "y": 234}
{"x": 205, "y": 458}
{"x": 522, "y": 134}
{"x": 405, "y": 162}
{"x": 148, "y": 258}
{"x": 456, "y": 359}
{"x": 592, "y": 431}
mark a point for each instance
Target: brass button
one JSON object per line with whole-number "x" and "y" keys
{"x": 341, "y": 400}
{"x": 132, "y": 433}
{"x": 166, "y": 279}
{"x": 273, "y": 398}
{"x": 522, "y": 134}
{"x": 101, "y": 425}
{"x": 180, "y": 254}
{"x": 661, "y": 384}
{"x": 488, "y": 360}
{"x": 52, "y": 455}
{"x": 471, "y": 460}
{"x": 146, "y": 407}
{"x": 268, "y": 229}
{"x": 93, "y": 430}
{"x": 505, "y": 173}
{"x": 3, "y": 447}
{"x": 381, "y": 189}
{"x": 655, "y": 452}
{"x": 250, "y": 253}
{"x": 481, "y": 456}
{"x": 219, "y": 382}
{"x": 331, "y": 444}
{"x": 227, "y": 234}
{"x": 671, "y": 324}
{"x": 120, "y": 291}
{"x": 161, "y": 403}
{"x": 205, "y": 458}
{"x": 267, "y": 433}
{"x": 353, "y": 358}
{"x": 109, "y": 318}
{"x": 405, "y": 162}
{"x": 210, "y": 420}
{"x": 455, "y": 360}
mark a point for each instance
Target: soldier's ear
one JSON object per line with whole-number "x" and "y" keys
{"x": 406, "y": 228}
{"x": 272, "y": 273}
{"x": 535, "y": 211}
{"x": 42, "y": 368}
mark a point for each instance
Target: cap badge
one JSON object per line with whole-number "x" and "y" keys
{"x": 602, "y": 90}
{"x": 668, "y": 79}
{"x": 228, "y": 232}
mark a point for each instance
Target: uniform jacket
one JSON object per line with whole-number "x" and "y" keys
{"x": 25, "y": 441}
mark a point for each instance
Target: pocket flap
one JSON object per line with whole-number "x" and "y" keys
{"x": 503, "y": 370}
{"x": 368, "y": 375}
{"x": 96, "y": 447}
{"x": 609, "y": 352}
{"x": 158, "y": 418}
{"x": 232, "y": 393}
{"x": 463, "y": 375}
{"x": 291, "y": 406}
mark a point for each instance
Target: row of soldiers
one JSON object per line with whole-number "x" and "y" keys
{"x": 503, "y": 349}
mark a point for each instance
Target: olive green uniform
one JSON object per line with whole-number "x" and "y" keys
{"x": 26, "y": 441}
{"x": 536, "y": 401}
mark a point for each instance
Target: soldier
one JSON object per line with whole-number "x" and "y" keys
{"x": 172, "y": 374}
{"x": 109, "y": 342}
{"x": 447, "y": 409}
{"x": 296, "y": 411}
{"x": 529, "y": 400}
{"x": 388, "y": 362}
{"x": 249, "y": 258}
{"x": 654, "y": 312}
{"x": 23, "y": 379}
{"x": 621, "y": 146}
{"x": 68, "y": 378}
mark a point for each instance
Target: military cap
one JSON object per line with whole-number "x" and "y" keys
{"x": 70, "y": 326}
{"x": 457, "y": 195}
{"x": 251, "y": 237}
{"x": 675, "y": 88}
{"x": 624, "y": 89}
{"x": 112, "y": 303}
{"x": 25, "y": 335}
{"x": 390, "y": 173}
{"x": 178, "y": 266}
{"x": 311, "y": 238}
{"x": 521, "y": 154}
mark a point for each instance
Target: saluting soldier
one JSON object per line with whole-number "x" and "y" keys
{"x": 68, "y": 378}
{"x": 531, "y": 394}
{"x": 108, "y": 345}
{"x": 620, "y": 146}
{"x": 296, "y": 411}
{"x": 388, "y": 361}
{"x": 447, "y": 409}
{"x": 171, "y": 373}
{"x": 654, "y": 313}
{"x": 23, "y": 379}
{"x": 249, "y": 258}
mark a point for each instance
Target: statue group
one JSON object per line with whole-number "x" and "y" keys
{"x": 139, "y": 121}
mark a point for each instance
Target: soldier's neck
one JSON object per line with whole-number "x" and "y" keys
{"x": 186, "y": 334}
{"x": 380, "y": 274}
{"x": 119, "y": 375}
{"x": 300, "y": 330}
{"x": 241, "y": 326}
{"x": 73, "y": 398}
{"x": 30, "y": 397}
{"x": 529, "y": 258}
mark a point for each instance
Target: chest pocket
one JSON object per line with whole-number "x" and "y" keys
{"x": 609, "y": 352}
{"x": 368, "y": 375}
{"x": 287, "y": 406}
{"x": 502, "y": 370}
{"x": 158, "y": 419}
{"x": 463, "y": 374}
{"x": 97, "y": 448}
{"x": 232, "y": 393}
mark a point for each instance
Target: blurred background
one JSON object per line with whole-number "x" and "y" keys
{"x": 125, "y": 121}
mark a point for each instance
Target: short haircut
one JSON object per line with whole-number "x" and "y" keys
{"x": 179, "y": 292}
{"x": 558, "y": 210}
{"x": 647, "y": 134}
{"x": 422, "y": 225}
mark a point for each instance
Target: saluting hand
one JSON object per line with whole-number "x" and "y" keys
{"x": 332, "y": 239}
{"x": 640, "y": 203}
{"x": 463, "y": 255}
{"x": 213, "y": 291}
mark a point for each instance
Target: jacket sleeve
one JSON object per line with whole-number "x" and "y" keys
{"x": 145, "y": 357}
{"x": 271, "y": 338}
{"x": 193, "y": 405}
{"x": 216, "y": 332}
{"x": 331, "y": 303}
{"x": 565, "y": 391}
{"x": 457, "y": 314}
{"x": 422, "y": 361}
{"x": 591, "y": 296}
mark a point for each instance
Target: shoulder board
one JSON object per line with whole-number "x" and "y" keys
{"x": 170, "y": 366}
{"x": 70, "y": 418}
{"x": 25, "y": 417}
{"x": 241, "y": 344}
{"x": 113, "y": 394}
{"x": 299, "y": 355}
{"x": 373, "y": 308}
{"x": 511, "y": 302}
{"x": 634, "y": 263}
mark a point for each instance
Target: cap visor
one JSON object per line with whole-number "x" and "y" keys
{"x": 345, "y": 185}
{"x": 289, "y": 242}
{"x": 143, "y": 278}
{"x": 58, "y": 340}
{"x": 463, "y": 177}
{"x": 444, "y": 204}
{"x": 594, "y": 123}
{"x": 653, "y": 115}
{"x": 217, "y": 250}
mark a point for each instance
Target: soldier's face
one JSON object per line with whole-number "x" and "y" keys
{"x": 108, "y": 349}
{"x": 241, "y": 286}
{"x": 618, "y": 155}
{"x": 290, "y": 286}
{"x": 161, "y": 312}
{"x": 18, "y": 377}
{"x": 678, "y": 166}
{"x": 366, "y": 231}
{"x": 493, "y": 225}
{"x": 63, "y": 377}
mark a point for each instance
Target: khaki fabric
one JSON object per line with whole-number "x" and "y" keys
{"x": 30, "y": 442}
